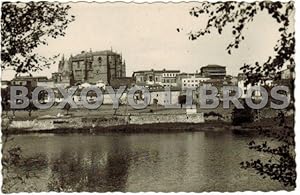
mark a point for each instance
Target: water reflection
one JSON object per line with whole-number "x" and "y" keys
{"x": 141, "y": 162}
{"x": 93, "y": 168}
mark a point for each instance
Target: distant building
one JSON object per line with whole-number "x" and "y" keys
{"x": 49, "y": 83}
{"x": 160, "y": 97}
{"x": 90, "y": 67}
{"x": 5, "y": 84}
{"x": 63, "y": 77}
{"x": 59, "y": 80}
{"x": 166, "y": 78}
{"x": 122, "y": 81}
{"x": 169, "y": 78}
{"x": 213, "y": 71}
{"x": 192, "y": 80}
{"x": 28, "y": 81}
{"x": 180, "y": 77}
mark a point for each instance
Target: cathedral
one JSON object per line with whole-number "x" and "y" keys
{"x": 90, "y": 67}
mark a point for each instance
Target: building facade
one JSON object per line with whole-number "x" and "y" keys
{"x": 46, "y": 84}
{"x": 213, "y": 71}
{"x": 165, "y": 78}
{"x": 90, "y": 67}
{"x": 27, "y": 81}
{"x": 193, "y": 80}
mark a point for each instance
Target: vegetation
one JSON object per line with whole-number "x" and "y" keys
{"x": 24, "y": 27}
{"x": 212, "y": 113}
{"x": 67, "y": 107}
{"x": 281, "y": 165}
{"x": 182, "y": 100}
{"x": 16, "y": 168}
{"x": 240, "y": 116}
{"x": 237, "y": 15}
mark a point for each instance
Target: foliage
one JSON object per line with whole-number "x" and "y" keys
{"x": 17, "y": 168}
{"x": 282, "y": 165}
{"x": 240, "y": 116}
{"x": 24, "y": 27}
{"x": 67, "y": 107}
{"x": 238, "y": 15}
{"x": 182, "y": 100}
{"x": 212, "y": 113}
{"x": 4, "y": 100}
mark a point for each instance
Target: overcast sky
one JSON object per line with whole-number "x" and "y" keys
{"x": 146, "y": 36}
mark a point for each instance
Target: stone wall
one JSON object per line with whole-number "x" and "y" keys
{"x": 108, "y": 121}
{"x": 166, "y": 118}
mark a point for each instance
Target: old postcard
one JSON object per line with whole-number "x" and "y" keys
{"x": 140, "y": 97}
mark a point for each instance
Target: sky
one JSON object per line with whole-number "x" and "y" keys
{"x": 146, "y": 36}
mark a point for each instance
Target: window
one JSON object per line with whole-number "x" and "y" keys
{"x": 99, "y": 59}
{"x": 78, "y": 65}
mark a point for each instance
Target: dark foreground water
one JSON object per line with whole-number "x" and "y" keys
{"x": 197, "y": 162}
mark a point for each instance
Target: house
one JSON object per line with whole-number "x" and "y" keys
{"x": 165, "y": 78}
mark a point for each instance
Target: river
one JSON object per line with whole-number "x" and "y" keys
{"x": 189, "y": 161}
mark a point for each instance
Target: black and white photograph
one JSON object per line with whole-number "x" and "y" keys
{"x": 119, "y": 96}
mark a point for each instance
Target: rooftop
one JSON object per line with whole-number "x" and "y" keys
{"x": 95, "y": 53}
{"x": 30, "y": 78}
{"x": 213, "y": 66}
{"x": 156, "y": 71}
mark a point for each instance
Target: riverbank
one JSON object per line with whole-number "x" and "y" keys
{"x": 132, "y": 128}
{"x": 147, "y": 120}
{"x": 208, "y": 126}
